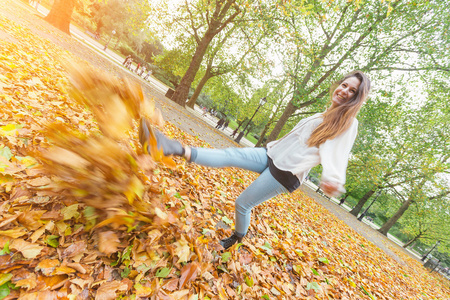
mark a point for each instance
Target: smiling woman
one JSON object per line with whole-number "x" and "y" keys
{"x": 325, "y": 138}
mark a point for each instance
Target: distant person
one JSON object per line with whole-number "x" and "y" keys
{"x": 225, "y": 125}
{"x": 137, "y": 68}
{"x": 324, "y": 138}
{"x": 125, "y": 62}
{"x": 143, "y": 69}
{"x": 129, "y": 64}
{"x": 220, "y": 123}
{"x": 150, "y": 72}
{"x": 234, "y": 132}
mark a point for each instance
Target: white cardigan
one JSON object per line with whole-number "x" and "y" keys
{"x": 291, "y": 152}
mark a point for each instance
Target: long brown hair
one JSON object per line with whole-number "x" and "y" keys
{"x": 338, "y": 119}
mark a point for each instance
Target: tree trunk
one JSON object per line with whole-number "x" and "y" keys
{"x": 357, "y": 209}
{"x": 388, "y": 225}
{"x": 61, "y": 14}
{"x": 199, "y": 88}
{"x": 289, "y": 110}
{"x": 250, "y": 127}
{"x": 263, "y": 134}
{"x": 412, "y": 241}
{"x": 182, "y": 90}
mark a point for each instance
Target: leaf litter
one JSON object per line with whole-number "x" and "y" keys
{"x": 85, "y": 213}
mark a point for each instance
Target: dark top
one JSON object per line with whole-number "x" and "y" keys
{"x": 286, "y": 178}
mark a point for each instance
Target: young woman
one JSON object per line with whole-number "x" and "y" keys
{"x": 325, "y": 138}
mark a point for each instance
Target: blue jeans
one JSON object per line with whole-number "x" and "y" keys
{"x": 253, "y": 159}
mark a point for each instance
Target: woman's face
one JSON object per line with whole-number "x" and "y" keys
{"x": 345, "y": 91}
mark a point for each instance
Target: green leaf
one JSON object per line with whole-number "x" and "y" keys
{"x": 223, "y": 269}
{"x": 297, "y": 269}
{"x": 4, "y": 290}
{"x": 52, "y": 240}
{"x": 315, "y": 272}
{"x": 5, "y": 249}
{"x": 324, "y": 260}
{"x": 367, "y": 293}
{"x": 4, "y": 278}
{"x": 226, "y": 256}
{"x": 6, "y": 152}
{"x": 265, "y": 296}
{"x": 226, "y": 220}
{"x": 267, "y": 246}
{"x": 313, "y": 285}
{"x": 239, "y": 289}
{"x": 143, "y": 268}
{"x": 163, "y": 272}
{"x": 126, "y": 272}
{"x": 115, "y": 263}
{"x": 249, "y": 281}
{"x": 127, "y": 253}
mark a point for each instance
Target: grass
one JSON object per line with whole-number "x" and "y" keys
{"x": 249, "y": 136}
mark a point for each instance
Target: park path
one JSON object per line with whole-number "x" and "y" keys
{"x": 188, "y": 120}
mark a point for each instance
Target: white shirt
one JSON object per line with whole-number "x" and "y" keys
{"x": 291, "y": 153}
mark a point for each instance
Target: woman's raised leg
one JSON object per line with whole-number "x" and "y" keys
{"x": 253, "y": 159}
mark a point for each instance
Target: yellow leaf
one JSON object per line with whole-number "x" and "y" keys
{"x": 40, "y": 181}
{"x": 13, "y": 233}
{"x": 28, "y": 250}
{"x": 47, "y": 266}
{"x": 29, "y": 282}
{"x": 63, "y": 270}
{"x": 70, "y": 212}
{"x": 182, "y": 250}
{"x": 4, "y": 278}
{"x": 160, "y": 213}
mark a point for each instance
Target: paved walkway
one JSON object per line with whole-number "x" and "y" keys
{"x": 187, "y": 120}
{"x": 155, "y": 86}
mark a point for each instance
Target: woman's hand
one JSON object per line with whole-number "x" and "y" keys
{"x": 330, "y": 189}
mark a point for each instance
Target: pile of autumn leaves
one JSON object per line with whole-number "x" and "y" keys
{"x": 85, "y": 213}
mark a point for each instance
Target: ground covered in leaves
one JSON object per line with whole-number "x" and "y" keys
{"x": 120, "y": 224}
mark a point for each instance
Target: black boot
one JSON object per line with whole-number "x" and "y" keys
{"x": 169, "y": 147}
{"x": 230, "y": 241}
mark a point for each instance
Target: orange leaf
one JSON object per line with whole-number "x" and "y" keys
{"x": 108, "y": 242}
{"x": 188, "y": 273}
{"x": 47, "y": 266}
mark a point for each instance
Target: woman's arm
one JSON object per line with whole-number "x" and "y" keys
{"x": 334, "y": 156}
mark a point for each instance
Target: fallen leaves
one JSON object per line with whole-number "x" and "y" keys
{"x": 120, "y": 225}
{"x": 108, "y": 242}
{"x": 28, "y": 250}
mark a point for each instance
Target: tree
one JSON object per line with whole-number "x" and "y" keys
{"x": 124, "y": 17}
{"x": 60, "y": 14}
{"x": 206, "y": 19}
{"x": 220, "y": 60}
{"x": 339, "y": 36}
{"x": 432, "y": 137}
{"x": 428, "y": 220}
